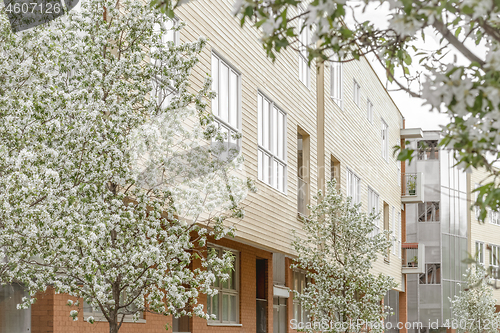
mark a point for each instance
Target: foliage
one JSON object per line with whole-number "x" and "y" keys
{"x": 337, "y": 254}
{"x": 109, "y": 185}
{"x": 476, "y": 305}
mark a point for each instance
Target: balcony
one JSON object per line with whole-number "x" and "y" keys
{"x": 412, "y": 188}
{"x": 413, "y": 258}
{"x": 301, "y": 196}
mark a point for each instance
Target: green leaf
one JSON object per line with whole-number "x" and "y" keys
{"x": 457, "y": 32}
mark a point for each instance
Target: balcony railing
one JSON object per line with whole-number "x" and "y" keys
{"x": 413, "y": 258}
{"x": 412, "y": 189}
{"x": 301, "y": 196}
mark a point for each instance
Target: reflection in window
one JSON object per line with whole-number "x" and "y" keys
{"x": 300, "y": 282}
{"x": 428, "y": 150}
{"x": 432, "y": 274}
{"x": 428, "y": 212}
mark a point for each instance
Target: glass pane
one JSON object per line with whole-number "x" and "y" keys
{"x": 265, "y": 125}
{"x": 259, "y": 117}
{"x": 223, "y": 93}
{"x": 233, "y": 99}
{"x": 266, "y": 168}
{"x": 225, "y": 307}
{"x": 296, "y": 311}
{"x": 281, "y": 180}
{"x": 281, "y": 124}
{"x": 233, "y": 306}
{"x": 260, "y": 161}
{"x": 274, "y": 131}
{"x": 215, "y": 85}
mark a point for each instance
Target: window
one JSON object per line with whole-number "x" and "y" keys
{"x": 399, "y": 235}
{"x": 304, "y": 41}
{"x": 225, "y": 304}
{"x": 356, "y": 92}
{"x": 353, "y": 185}
{"x": 428, "y": 150}
{"x": 226, "y": 105}
{"x": 495, "y": 261}
{"x": 369, "y": 110}
{"x": 164, "y": 92}
{"x": 432, "y": 274}
{"x": 96, "y": 312}
{"x": 385, "y": 140}
{"x": 300, "y": 282}
{"x": 493, "y": 217}
{"x": 181, "y": 325}
{"x": 373, "y": 207}
{"x": 480, "y": 252}
{"x": 335, "y": 171}
{"x": 394, "y": 242}
{"x": 428, "y": 212}
{"x": 272, "y": 144}
{"x": 336, "y": 87}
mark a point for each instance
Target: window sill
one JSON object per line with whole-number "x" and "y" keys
{"x": 224, "y": 324}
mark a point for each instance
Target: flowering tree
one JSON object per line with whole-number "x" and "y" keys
{"x": 341, "y": 31}
{"x": 110, "y": 186}
{"x": 337, "y": 255}
{"x": 476, "y": 304}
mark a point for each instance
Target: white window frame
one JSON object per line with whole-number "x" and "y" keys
{"x": 353, "y": 185}
{"x": 480, "y": 252}
{"x": 231, "y": 125}
{"x": 493, "y": 217}
{"x": 495, "y": 259}
{"x": 304, "y": 41}
{"x": 385, "y": 140}
{"x": 271, "y": 143}
{"x": 374, "y": 206}
{"x": 399, "y": 235}
{"x": 336, "y": 83}
{"x": 356, "y": 92}
{"x": 369, "y": 111}
{"x": 227, "y": 291}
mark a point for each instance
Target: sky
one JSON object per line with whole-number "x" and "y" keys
{"x": 416, "y": 115}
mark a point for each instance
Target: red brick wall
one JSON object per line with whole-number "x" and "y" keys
{"x": 50, "y": 314}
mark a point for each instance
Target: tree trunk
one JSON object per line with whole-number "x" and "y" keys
{"x": 113, "y": 327}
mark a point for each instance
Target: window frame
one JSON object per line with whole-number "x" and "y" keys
{"x": 225, "y": 291}
{"x": 99, "y": 316}
{"x": 495, "y": 260}
{"x": 479, "y": 252}
{"x": 374, "y": 206}
{"x": 426, "y": 206}
{"x": 369, "y": 110}
{"x": 385, "y": 140}
{"x": 218, "y": 119}
{"x": 262, "y": 150}
{"x": 353, "y": 175}
{"x": 356, "y": 95}
{"x": 336, "y": 83}
{"x": 296, "y": 302}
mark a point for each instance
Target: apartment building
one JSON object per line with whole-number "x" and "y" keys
{"x": 301, "y": 126}
{"x": 441, "y": 231}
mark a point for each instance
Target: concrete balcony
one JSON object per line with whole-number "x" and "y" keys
{"x": 413, "y": 258}
{"x": 412, "y": 187}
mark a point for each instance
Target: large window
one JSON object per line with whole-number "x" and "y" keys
{"x": 226, "y": 106}
{"x": 336, "y": 87}
{"x": 373, "y": 207}
{"x": 96, "y": 312}
{"x": 300, "y": 282}
{"x": 272, "y": 143}
{"x": 356, "y": 92}
{"x": 399, "y": 235}
{"x": 304, "y": 41}
{"x": 385, "y": 140}
{"x": 394, "y": 242}
{"x": 225, "y": 304}
{"x": 428, "y": 212}
{"x": 480, "y": 252}
{"x": 353, "y": 186}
